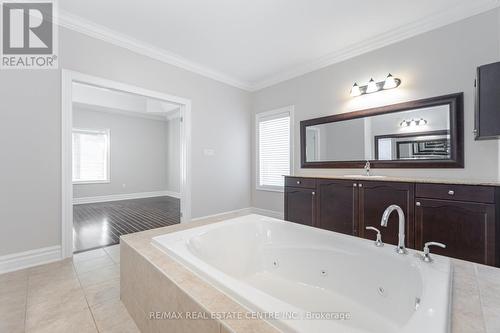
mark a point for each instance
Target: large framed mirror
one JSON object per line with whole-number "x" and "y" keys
{"x": 426, "y": 133}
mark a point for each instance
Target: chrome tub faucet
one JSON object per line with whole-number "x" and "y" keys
{"x": 401, "y": 249}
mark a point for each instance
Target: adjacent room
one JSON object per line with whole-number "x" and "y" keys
{"x": 264, "y": 166}
{"x": 125, "y": 165}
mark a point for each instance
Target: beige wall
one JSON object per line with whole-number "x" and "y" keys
{"x": 439, "y": 62}
{"x": 30, "y": 117}
{"x": 139, "y": 149}
{"x": 173, "y": 128}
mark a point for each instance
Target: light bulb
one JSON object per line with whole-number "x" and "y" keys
{"x": 422, "y": 122}
{"x": 355, "y": 91}
{"x": 404, "y": 123}
{"x": 390, "y": 82}
{"x": 372, "y": 86}
{"x": 413, "y": 122}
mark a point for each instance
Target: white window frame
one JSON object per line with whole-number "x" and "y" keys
{"x": 258, "y": 117}
{"x": 108, "y": 159}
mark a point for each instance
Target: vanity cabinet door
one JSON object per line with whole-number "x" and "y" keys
{"x": 467, "y": 228}
{"x": 300, "y": 205}
{"x": 487, "y": 117}
{"x": 338, "y": 206}
{"x": 374, "y": 198}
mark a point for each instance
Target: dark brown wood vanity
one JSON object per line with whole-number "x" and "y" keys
{"x": 464, "y": 217}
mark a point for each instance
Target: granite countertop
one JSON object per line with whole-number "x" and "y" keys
{"x": 475, "y": 294}
{"x": 360, "y": 177}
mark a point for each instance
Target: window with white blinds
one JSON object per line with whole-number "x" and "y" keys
{"x": 90, "y": 156}
{"x": 273, "y": 148}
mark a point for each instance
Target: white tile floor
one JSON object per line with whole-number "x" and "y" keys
{"x": 80, "y": 295}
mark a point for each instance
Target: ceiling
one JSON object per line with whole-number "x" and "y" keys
{"x": 114, "y": 101}
{"x": 256, "y": 43}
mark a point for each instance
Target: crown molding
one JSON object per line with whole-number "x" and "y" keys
{"x": 427, "y": 24}
{"x": 89, "y": 28}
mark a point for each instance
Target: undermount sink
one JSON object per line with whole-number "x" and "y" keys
{"x": 363, "y": 176}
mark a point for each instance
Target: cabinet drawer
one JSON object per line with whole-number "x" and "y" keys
{"x": 300, "y": 182}
{"x": 471, "y": 193}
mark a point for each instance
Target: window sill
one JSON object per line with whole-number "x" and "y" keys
{"x": 270, "y": 189}
{"x": 91, "y": 182}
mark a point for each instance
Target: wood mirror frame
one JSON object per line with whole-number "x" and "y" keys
{"x": 456, "y": 104}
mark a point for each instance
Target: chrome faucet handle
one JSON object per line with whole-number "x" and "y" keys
{"x": 378, "y": 241}
{"x": 427, "y": 252}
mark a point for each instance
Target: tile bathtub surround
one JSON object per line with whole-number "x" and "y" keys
{"x": 152, "y": 281}
{"x": 79, "y": 295}
{"x": 73, "y": 296}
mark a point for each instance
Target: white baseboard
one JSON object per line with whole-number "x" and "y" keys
{"x": 241, "y": 212}
{"x": 225, "y": 215}
{"x": 16, "y": 261}
{"x": 267, "y": 212}
{"x": 172, "y": 194}
{"x": 126, "y": 196}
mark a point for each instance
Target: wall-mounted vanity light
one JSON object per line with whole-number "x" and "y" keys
{"x": 413, "y": 123}
{"x": 390, "y": 82}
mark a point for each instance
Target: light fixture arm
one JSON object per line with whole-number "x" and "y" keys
{"x": 363, "y": 90}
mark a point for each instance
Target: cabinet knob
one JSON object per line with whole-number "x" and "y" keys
{"x": 313, "y": 193}
{"x": 360, "y": 185}
{"x": 451, "y": 192}
{"x": 354, "y": 185}
{"x": 298, "y": 182}
{"x": 418, "y": 204}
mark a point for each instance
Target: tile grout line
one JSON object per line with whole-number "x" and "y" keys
{"x": 26, "y": 302}
{"x": 85, "y": 295}
{"x": 480, "y": 297}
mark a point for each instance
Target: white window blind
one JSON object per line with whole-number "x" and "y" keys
{"x": 90, "y": 156}
{"x": 274, "y": 153}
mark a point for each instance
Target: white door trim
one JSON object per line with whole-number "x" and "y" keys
{"x": 68, "y": 77}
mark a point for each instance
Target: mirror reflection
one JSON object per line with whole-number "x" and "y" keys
{"x": 418, "y": 134}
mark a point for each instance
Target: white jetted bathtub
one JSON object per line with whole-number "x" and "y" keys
{"x": 312, "y": 280}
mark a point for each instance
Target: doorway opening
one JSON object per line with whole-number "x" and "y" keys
{"x": 125, "y": 161}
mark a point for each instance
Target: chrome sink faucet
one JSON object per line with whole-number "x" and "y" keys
{"x": 367, "y": 168}
{"x": 401, "y": 235}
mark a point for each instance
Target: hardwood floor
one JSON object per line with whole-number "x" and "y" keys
{"x": 101, "y": 224}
